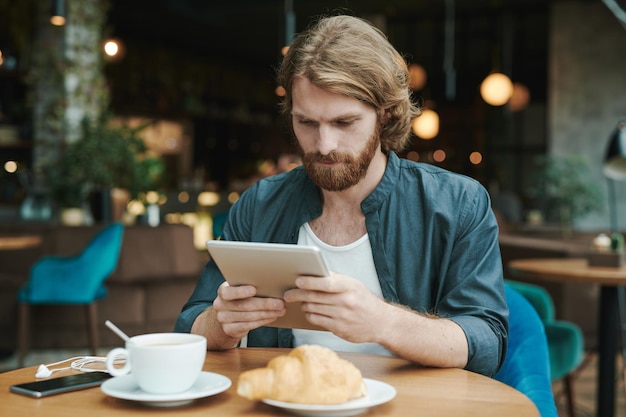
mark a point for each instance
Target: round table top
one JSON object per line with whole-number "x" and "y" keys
{"x": 420, "y": 391}
{"x": 568, "y": 270}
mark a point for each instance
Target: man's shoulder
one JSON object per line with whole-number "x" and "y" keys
{"x": 433, "y": 174}
{"x": 295, "y": 177}
{"x": 280, "y": 185}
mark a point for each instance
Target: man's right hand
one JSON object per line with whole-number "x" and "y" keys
{"x": 238, "y": 311}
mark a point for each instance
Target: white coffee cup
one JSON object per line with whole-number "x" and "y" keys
{"x": 161, "y": 363}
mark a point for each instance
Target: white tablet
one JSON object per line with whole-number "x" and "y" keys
{"x": 272, "y": 268}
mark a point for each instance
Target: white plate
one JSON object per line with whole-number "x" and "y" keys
{"x": 377, "y": 393}
{"x": 125, "y": 388}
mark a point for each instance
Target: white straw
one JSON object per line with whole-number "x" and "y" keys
{"x": 117, "y": 331}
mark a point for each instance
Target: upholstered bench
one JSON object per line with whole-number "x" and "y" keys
{"x": 157, "y": 271}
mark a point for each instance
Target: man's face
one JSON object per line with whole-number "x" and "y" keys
{"x": 338, "y": 135}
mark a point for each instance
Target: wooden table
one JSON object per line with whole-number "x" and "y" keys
{"x": 420, "y": 392}
{"x": 19, "y": 242}
{"x": 577, "y": 270}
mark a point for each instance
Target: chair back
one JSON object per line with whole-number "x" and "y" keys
{"x": 566, "y": 341}
{"x": 78, "y": 279}
{"x": 218, "y": 223}
{"x": 538, "y": 296}
{"x": 526, "y": 365}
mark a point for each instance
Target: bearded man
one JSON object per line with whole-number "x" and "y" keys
{"x": 413, "y": 249}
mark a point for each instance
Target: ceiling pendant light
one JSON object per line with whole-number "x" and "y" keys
{"x": 496, "y": 89}
{"x": 113, "y": 49}
{"x": 57, "y": 15}
{"x": 426, "y": 125}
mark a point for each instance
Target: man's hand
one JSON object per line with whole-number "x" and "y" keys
{"x": 341, "y": 304}
{"x": 346, "y": 307}
{"x": 238, "y": 310}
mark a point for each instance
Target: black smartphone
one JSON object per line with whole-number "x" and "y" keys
{"x": 46, "y": 387}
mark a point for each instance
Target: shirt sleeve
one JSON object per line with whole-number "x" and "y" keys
{"x": 202, "y": 297}
{"x": 474, "y": 297}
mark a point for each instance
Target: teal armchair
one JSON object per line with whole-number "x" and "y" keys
{"x": 77, "y": 280}
{"x": 565, "y": 339}
{"x": 526, "y": 365}
{"x": 218, "y": 223}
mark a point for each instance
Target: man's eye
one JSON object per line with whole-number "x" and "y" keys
{"x": 343, "y": 122}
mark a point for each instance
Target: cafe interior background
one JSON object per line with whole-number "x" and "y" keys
{"x": 196, "y": 79}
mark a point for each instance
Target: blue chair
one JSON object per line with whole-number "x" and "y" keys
{"x": 218, "y": 223}
{"x": 566, "y": 342}
{"x": 74, "y": 280}
{"x": 526, "y": 365}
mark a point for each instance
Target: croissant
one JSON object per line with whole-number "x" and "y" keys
{"x": 309, "y": 374}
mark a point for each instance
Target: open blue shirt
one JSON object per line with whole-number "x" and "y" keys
{"x": 434, "y": 240}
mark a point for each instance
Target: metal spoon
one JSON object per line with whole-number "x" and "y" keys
{"x": 117, "y": 331}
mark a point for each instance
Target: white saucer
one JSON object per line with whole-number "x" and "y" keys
{"x": 377, "y": 393}
{"x": 125, "y": 388}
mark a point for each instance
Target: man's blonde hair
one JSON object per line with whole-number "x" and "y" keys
{"x": 349, "y": 56}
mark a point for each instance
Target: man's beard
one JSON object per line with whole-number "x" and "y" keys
{"x": 346, "y": 175}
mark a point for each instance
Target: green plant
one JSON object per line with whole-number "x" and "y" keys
{"x": 563, "y": 186}
{"x": 105, "y": 157}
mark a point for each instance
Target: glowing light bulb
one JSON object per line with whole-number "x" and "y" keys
{"x": 208, "y": 198}
{"x": 439, "y": 155}
{"x": 476, "y": 157}
{"x": 10, "y": 167}
{"x": 57, "y": 20}
{"x": 426, "y": 125}
{"x": 496, "y": 89}
{"x": 111, "y": 48}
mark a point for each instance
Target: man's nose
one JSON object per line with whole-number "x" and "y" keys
{"x": 327, "y": 140}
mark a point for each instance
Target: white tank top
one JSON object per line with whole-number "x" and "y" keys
{"x": 355, "y": 260}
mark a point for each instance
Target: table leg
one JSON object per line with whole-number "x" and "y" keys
{"x": 607, "y": 346}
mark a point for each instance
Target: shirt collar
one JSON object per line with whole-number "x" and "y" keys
{"x": 385, "y": 186}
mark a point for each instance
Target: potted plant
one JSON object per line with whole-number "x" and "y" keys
{"x": 563, "y": 187}
{"x": 105, "y": 157}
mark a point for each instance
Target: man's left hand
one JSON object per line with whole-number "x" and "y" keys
{"x": 341, "y": 304}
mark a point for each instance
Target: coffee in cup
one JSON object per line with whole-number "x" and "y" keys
{"x": 161, "y": 363}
